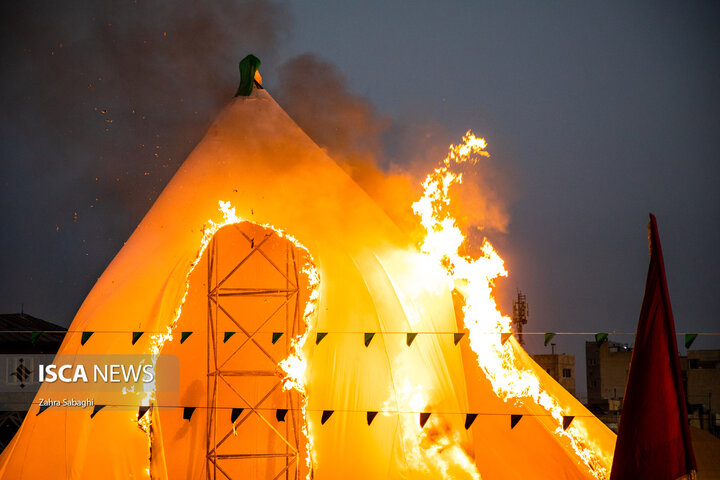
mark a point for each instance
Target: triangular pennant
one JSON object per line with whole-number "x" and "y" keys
{"x": 188, "y": 413}
{"x": 280, "y": 414}
{"x": 424, "y": 418}
{"x": 548, "y": 336}
{"x": 411, "y": 337}
{"x": 42, "y": 409}
{"x": 514, "y": 419}
{"x": 85, "y": 337}
{"x": 34, "y": 336}
{"x": 142, "y": 410}
{"x": 227, "y": 336}
{"x": 235, "y": 414}
{"x": 368, "y": 338}
{"x": 326, "y": 416}
{"x": 504, "y": 337}
{"x": 96, "y": 410}
{"x": 184, "y": 336}
{"x": 319, "y": 337}
{"x": 600, "y": 338}
{"x": 469, "y": 419}
{"x": 457, "y": 337}
{"x": 689, "y": 339}
{"x": 371, "y": 416}
{"x": 567, "y": 420}
{"x": 136, "y": 337}
{"x": 276, "y": 336}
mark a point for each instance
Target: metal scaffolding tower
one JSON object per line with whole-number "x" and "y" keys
{"x": 243, "y": 376}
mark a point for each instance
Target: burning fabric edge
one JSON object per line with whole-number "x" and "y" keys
{"x": 294, "y": 366}
{"x": 474, "y": 280}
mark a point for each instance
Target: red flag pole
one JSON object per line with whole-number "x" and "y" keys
{"x": 653, "y": 435}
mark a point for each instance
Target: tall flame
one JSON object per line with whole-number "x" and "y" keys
{"x": 295, "y": 365}
{"x": 474, "y": 279}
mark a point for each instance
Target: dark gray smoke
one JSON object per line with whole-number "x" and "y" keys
{"x": 388, "y": 157}
{"x": 102, "y": 101}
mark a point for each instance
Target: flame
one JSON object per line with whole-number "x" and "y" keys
{"x": 435, "y": 448}
{"x": 474, "y": 279}
{"x": 294, "y": 366}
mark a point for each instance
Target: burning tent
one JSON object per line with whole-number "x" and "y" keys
{"x": 313, "y": 339}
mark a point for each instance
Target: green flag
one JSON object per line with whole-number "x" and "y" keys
{"x": 600, "y": 338}
{"x": 136, "y": 337}
{"x": 457, "y": 337}
{"x": 326, "y": 416}
{"x": 227, "y": 336}
{"x": 276, "y": 336}
{"x": 188, "y": 413}
{"x": 235, "y": 414}
{"x": 368, "y": 338}
{"x": 85, "y": 337}
{"x": 411, "y": 338}
{"x": 549, "y": 336}
{"x": 319, "y": 337}
{"x": 96, "y": 410}
{"x": 34, "y": 336}
{"x": 689, "y": 339}
{"x": 184, "y": 336}
{"x": 248, "y": 67}
{"x": 469, "y": 419}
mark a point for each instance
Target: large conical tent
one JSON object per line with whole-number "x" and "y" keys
{"x": 371, "y": 280}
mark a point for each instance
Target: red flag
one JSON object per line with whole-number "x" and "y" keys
{"x": 653, "y": 436}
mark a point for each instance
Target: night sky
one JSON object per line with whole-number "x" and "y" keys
{"x": 595, "y": 113}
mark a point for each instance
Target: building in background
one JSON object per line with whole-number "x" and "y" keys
{"x": 607, "y": 367}
{"x": 560, "y": 366}
{"x": 702, "y": 387}
{"x": 17, "y": 339}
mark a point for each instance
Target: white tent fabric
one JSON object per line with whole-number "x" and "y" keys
{"x": 257, "y": 159}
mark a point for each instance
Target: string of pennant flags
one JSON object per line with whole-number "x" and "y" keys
{"x": 281, "y": 413}
{"x": 600, "y": 337}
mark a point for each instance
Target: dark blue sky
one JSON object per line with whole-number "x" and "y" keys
{"x": 596, "y": 113}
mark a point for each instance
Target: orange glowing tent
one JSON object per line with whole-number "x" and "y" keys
{"x": 233, "y": 287}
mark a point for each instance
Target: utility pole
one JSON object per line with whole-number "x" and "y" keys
{"x": 520, "y": 316}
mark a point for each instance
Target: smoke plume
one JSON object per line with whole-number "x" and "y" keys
{"x": 102, "y": 101}
{"x": 388, "y": 158}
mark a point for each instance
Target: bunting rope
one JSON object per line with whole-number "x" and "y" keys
{"x": 144, "y": 408}
{"x": 334, "y": 332}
